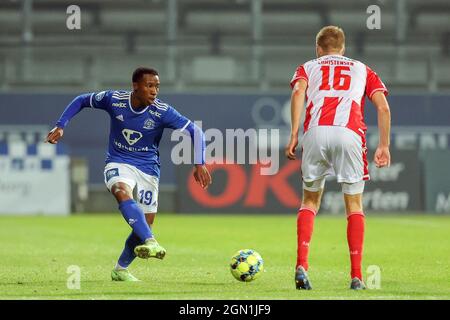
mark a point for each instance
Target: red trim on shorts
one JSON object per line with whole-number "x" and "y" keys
{"x": 366, "y": 175}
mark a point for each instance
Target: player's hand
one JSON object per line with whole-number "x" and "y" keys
{"x": 54, "y": 135}
{"x": 382, "y": 157}
{"x": 291, "y": 147}
{"x": 202, "y": 176}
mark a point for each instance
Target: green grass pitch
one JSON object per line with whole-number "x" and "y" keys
{"x": 412, "y": 252}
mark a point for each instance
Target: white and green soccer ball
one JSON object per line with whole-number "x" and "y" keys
{"x": 246, "y": 265}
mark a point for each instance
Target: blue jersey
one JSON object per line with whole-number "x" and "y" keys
{"x": 134, "y": 135}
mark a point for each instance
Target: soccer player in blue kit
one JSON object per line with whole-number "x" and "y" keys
{"x": 138, "y": 119}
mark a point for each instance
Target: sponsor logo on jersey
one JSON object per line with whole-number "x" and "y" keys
{"x": 111, "y": 173}
{"x": 119, "y": 104}
{"x": 131, "y": 149}
{"x": 131, "y": 136}
{"x": 132, "y": 221}
{"x": 99, "y": 96}
{"x": 155, "y": 113}
{"x": 149, "y": 124}
{"x": 120, "y": 117}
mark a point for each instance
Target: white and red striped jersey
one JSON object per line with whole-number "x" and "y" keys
{"x": 337, "y": 86}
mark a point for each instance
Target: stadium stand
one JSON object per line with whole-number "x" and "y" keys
{"x": 216, "y": 42}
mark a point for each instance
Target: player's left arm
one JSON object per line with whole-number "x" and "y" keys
{"x": 201, "y": 173}
{"x": 376, "y": 91}
{"x": 382, "y": 157}
{"x": 174, "y": 120}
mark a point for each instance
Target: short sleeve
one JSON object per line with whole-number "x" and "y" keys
{"x": 174, "y": 120}
{"x": 374, "y": 84}
{"x": 101, "y": 100}
{"x": 300, "y": 73}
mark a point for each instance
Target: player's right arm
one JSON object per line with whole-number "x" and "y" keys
{"x": 99, "y": 100}
{"x": 174, "y": 120}
{"x": 382, "y": 155}
{"x": 297, "y": 104}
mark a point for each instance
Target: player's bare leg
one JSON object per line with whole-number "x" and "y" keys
{"x": 305, "y": 224}
{"x": 355, "y": 237}
{"x": 150, "y": 218}
{"x": 353, "y": 203}
{"x": 122, "y": 192}
{"x": 312, "y": 199}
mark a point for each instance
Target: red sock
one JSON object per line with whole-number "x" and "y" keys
{"x": 355, "y": 238}
{"x": 305, "y": 225}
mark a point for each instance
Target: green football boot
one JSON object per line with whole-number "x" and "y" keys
{"x": 150, "y": 249}
{"x": 122, "y": 275}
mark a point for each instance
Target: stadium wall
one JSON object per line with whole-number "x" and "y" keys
{"x": 420, "y": 123}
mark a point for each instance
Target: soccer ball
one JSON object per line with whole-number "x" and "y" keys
{"x": 246, "y": 265}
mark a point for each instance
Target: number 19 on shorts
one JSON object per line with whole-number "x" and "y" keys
{"x": 145, "y": 197}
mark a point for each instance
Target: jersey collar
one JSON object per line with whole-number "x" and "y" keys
{"x": 131, "y": 108}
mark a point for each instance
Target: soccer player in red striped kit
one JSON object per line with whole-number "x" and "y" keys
{"x": 334, "y": 87}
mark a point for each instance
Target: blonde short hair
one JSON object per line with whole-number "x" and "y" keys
{"x": 331, "y": 38}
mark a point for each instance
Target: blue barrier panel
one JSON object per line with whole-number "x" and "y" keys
{"x": 437, "y": 180}
{"x": 87, "y": 134}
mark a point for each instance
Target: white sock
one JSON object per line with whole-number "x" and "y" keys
{"x": 118, "y": 267}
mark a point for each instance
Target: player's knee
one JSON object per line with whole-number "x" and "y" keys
{"x": 353, "y": 203}
{"x": 353, "y": 196}
{"x": 121, "y": 192}
{"x": 312, "y": 199}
